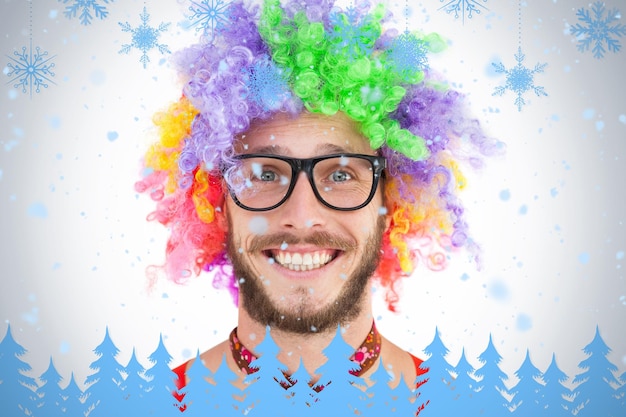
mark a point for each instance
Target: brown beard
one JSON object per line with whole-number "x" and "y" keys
{"x": 299, "y": 319}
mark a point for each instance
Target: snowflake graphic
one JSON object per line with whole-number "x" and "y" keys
{"x": 351, "y": 33}
{"x": 85, "y": 8}
{"x": 519, "y": 79}
{"x": 210, "y": 16}
{"x": 144, "y": 38}
{"x": 598, "y": 30}
{"x": 267, "y": 85}
{"x": 31, "y": 70}
{"x": 408, "y": 55}
{"x": 463, "y": 8}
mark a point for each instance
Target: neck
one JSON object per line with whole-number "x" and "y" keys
{"x": 307, "y": 347}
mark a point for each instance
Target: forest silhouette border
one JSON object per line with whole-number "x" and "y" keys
{"x": 445, "y": 390}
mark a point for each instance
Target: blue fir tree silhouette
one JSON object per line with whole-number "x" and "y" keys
{"x": 339, "y": 393}
{"x": 196, "y": 391}
{"x": 73, "y": 399}
{"x": 134, "y": 387}
{"x": 464, "y": 388}
{"x": 49, "y": 393}
{"x": 403, "y": 400}
{"x": 489, "y": 395}
{"x": 17, "y": 390}
{"x": 266, "y": 392}
{"x": 161, "y": 383}
{"x": 435, "y": 388}
{"x": 621, "y": 392}
{"x": 557, "y": 398}
{"x": 596, "y": 394}
{"x": 225, "y": 397}
{"x": 104, "y": 394}
{"x": 528, "y": 392}
{"x": 301, "y": 396}
{"x": 380, "y": 395}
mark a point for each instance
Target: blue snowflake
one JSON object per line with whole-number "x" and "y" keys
{"x": 352, "y": 33}
{"x": 30, "y": 70}
{"x": 408, "y": 55}
{"x": 267, "y": 85}
{"x": 598, "y": 30}
{"x": 85, "y": 7}
{"x": 211, "y": 16}
{"x": 519, "y": 79}
{"x": 145, "y": 37}
{"x": 463, "y": 7}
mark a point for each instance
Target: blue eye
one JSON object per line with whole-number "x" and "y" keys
{"x": 267, "y": 176}
{"x": 263, "y": 173}
{"x": 340, "y": 176}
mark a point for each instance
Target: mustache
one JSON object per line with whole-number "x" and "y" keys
{"x": 320, "y": 239}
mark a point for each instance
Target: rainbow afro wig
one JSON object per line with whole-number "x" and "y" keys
{"x": 309, "y": 55}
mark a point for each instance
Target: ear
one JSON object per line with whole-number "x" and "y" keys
{"x": 386, "y": 203}
{"x": 388, "y": 216}
{"x": 222, "y": 217}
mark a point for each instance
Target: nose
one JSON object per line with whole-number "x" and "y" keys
{"x": 302, "y": 210}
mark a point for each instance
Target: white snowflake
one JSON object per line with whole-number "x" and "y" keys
{"x": 210, "y": 16}
{"x": 144, "y": 37}
{"x": 30, "y": 70}
{"x": 463, "y": 8}
{"x": 519, "y": 79}
{"x": 598, "y": 30}
{"x": 85, "y": 7}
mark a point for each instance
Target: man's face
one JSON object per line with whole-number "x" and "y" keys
{"x": 342, "y": 247}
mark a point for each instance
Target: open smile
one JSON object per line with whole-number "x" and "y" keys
{"x": 302, "y": 261}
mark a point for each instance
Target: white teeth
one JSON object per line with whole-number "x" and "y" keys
{"x": 302, "y": 262}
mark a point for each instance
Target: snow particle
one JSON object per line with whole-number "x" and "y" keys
{"x": 523, "y": 322}
{"x": 112, "y": 136}
{"x": 589, "y": 113}
{"x": 97, "y": 77}
{"x": 499, "y": 291}
{"x": 258, "y": 225}
{"x": 599, "y": 125}
{"x": 37, "y": 210}
{"x": 583, "y": 258}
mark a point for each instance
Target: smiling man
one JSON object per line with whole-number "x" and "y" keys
{"x": 311, "y": 269}
{"x": 311, "y": 157}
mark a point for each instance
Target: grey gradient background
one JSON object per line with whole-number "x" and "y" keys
{"x": 75, "y": 242}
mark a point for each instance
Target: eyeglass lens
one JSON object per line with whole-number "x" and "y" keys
{"x": 343, "y": 181}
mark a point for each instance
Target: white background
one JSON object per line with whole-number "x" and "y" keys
{"x": 75, "y": 243}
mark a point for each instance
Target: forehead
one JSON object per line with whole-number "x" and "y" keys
{"x": 304, "y": 136}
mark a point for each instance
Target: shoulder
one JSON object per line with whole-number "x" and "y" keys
{"x": 401, "y": 361}
{"x": 211, "y": 358}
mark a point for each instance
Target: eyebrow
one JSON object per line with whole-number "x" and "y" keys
{"x": 321, "y": 149}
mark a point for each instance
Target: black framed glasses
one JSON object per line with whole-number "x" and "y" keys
{"x": 261, "y": 182}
